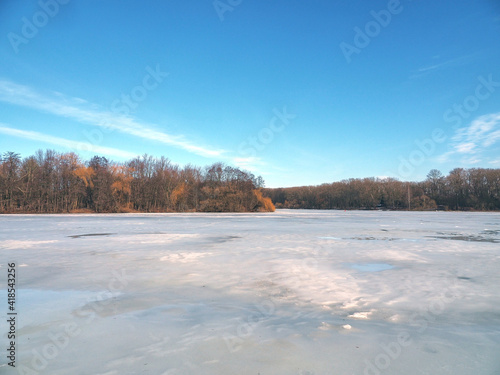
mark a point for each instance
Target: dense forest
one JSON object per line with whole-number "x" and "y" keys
{"x": 462, "y": 189}
{"x": 51, "y": 182}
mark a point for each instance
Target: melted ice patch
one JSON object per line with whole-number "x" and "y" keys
{"x": 372, "y": 267}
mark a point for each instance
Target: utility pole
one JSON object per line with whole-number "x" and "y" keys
{"x": 409, "y": 198}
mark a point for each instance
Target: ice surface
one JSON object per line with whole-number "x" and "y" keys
{"x": 290, "y": 292}
{"x": 372, "y": 267}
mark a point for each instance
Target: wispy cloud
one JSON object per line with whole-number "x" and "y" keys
{"x": 87, "y": 113}
{"x": 252, "y": 163}
{"x": 473, "y": 142}
{"x": 456, "y": 61}
{"x": 73, "y": 145}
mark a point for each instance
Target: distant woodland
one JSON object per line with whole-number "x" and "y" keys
{"x": 51, "y": 182}
{"x": 461, "y": 189}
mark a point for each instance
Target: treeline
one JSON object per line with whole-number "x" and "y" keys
{"x": 462, "y": 189}
{"x": 52, "y": 182}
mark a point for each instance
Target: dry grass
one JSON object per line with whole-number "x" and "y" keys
{"x": 266, "y": 204}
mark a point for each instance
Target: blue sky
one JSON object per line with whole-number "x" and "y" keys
{"x": 300, "y": 92}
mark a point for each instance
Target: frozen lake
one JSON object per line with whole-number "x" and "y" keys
{"x": 291, "y": 292}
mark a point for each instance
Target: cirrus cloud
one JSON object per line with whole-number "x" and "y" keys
{"x": 473, "y": 143}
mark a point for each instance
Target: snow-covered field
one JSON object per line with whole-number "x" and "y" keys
{"x": 290, "y": 292}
